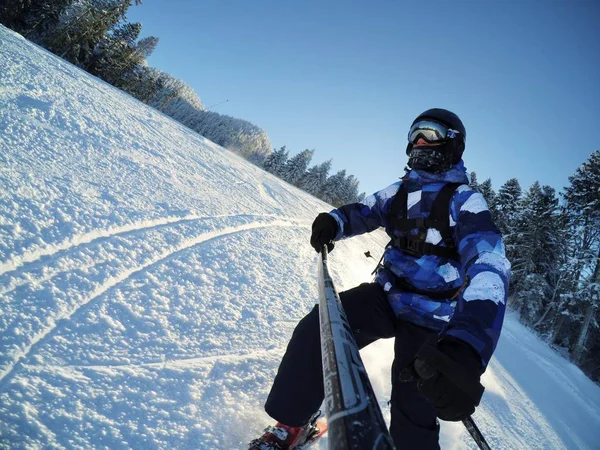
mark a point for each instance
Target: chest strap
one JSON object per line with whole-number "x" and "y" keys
{"x": 438, "y": 218}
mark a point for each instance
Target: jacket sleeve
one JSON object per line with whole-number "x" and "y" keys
{"x": 358, "y": 218}
{"x": 480, "y": 307}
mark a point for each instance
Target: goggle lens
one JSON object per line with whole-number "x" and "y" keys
{"x": 430, "y": 131}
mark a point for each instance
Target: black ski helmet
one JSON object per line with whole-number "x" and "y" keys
{"x": 447, "y": 154}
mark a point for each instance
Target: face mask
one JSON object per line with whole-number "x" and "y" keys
{"x": 433, "y": 159}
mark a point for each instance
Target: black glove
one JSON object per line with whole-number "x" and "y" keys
{"x": 324, "y": 230}
{"x": 448, "y": 376}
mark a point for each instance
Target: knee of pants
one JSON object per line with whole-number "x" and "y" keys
{"x": 368, "y": 312}
{"x": 409, "y": 434}
{"x": 413, "y": 407}
{"x": 407, "y": 398}
{"x": 309, "y": 323}
{"x": 414, "y": 421}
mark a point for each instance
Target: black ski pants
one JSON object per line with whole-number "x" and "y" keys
{"x": 297, "y": 391}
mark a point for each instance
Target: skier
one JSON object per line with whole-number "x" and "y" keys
{"x": 440, "y": 291}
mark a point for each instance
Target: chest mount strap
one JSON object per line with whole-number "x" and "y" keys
{"x": 438, "y": 218}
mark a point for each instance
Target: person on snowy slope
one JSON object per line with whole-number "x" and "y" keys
{"x": 440, "y": 291}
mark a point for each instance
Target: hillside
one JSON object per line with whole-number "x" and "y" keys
{"x": 150, "y": 280}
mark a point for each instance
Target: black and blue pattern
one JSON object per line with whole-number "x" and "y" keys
{"x": 477, "y": 312}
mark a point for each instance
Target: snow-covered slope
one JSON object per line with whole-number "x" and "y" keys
{"x": 150, "y": 280}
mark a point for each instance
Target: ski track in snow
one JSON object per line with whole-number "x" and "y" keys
{"x": 22, "y": 263}
{"x": 53, "y": 325}
{"x": 83, "y": 241}
{"x": 185, "y": 363}
{"x": 53, "y": 250}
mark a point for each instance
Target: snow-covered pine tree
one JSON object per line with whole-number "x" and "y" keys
{"x": 489, "y": 195}
{"x": 349, "y": 191}
{"x": 473, "y": 184}
{"x": 142, "y": 81}
{"x": 131, "y": 62}
{"x": 508, "y": 217}
{"x": 119, "y": 54}
{"x": 333, "y": 188}
{"x": 582, "y": 198}
{"x": 179, "y": 101}
{"x": 84, "y": 28}
{"x": 92, "y": 34}
{"x": 353, "y": 195}
{"x": 560, "y": 277}
{"x": 538, "y": 252}
{"x": 35, "y": 19}
{"x": 314, "y": 179}
{"x": 146, "y": 46}
{"x": 235, "y": 134}
{"x": 295, "y": 167}
{"x": 147, "y": 85}
{"x": 508, "y": 205}
{"x": 275, "y": 162}
{"x": 175, "y": 98}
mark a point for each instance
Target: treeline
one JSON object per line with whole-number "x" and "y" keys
{"x": 337, "y": 189}
{"x": 96, "y": 36}
{"x": 554, "y": 248}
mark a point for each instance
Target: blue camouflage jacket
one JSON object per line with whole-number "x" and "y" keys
{"x": 474, "y": 316}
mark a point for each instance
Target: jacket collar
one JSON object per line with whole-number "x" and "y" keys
{"x": 456, "y": 174}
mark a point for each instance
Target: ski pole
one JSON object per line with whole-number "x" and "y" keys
{"x": 475, "y": 433}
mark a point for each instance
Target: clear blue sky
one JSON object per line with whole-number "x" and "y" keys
{"x": 348, "y": 77}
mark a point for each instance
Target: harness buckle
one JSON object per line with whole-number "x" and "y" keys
{"x": 419, "y": 222}
{"x": 412, "y": 245}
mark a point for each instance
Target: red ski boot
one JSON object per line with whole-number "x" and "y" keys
{"x": 283, "y": 437}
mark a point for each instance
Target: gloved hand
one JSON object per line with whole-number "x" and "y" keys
{"x": 324, "y": 230}
{"x": 448, "y": 376}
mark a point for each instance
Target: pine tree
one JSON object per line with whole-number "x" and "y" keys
{"x": 79, "y": 38}
{"x": 13, "y": 14}
{"x": 349, "y": 191}
{"x": 117, "y": 54}
{"x": 143, "y": 81}
{"x": 473, "y": 184}
{"x": 35, "y": 19}
{"x": 275, "y": 162}
{"x": 508, "y": 205}
{"x": 508, "y": 216}
{"x": 124, "y": 58}
{"x": 295, "y": 167}
{"x": 175, "y": 98}
{"x": 179, "y": 101}
{"x": 583, "y": 204}
{"x": 538, "y": 251}
{"x": 333, "y": 189}
{"x": 315, "y": 178}
{"x": 238, "y": 135}
{"x": 489, "y": 195}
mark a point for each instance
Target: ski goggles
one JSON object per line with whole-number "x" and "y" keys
{"x": 431, "y": 132}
